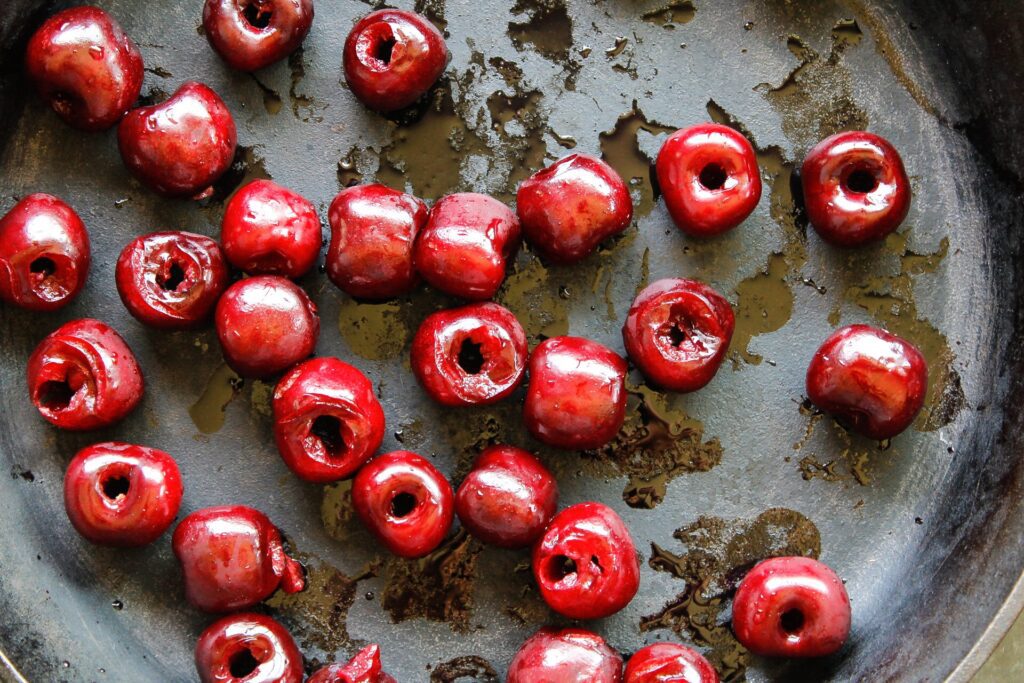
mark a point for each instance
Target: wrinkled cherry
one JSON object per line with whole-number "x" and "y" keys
{"x": 248, "y": 648}
{"x": 365, "y": 667}
{"x": 570, "y": 655}
{"x": 252, "y": 34}
{"x": 669, "y": 663}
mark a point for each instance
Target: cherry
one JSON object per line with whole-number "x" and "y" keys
{"x": 678, "y": 332}
{"x": 709, "y": 176}
{"x": 373, "y": 230}
{"x": 85, "y": 66}
{"x": 182, "y": 145}
{"x": 171, "y": 280}
{"x": 570, "y": 207}
{"x": 576, "y": 398}
{"x": 473, "y": 355}
{"x": 83, "y": 376}
{"x": 365, "y": 667}
{"x": 791, "y": 607}
{"x": 266, "y": 324}
{"x": 870, "y": 380}
{"x": 570, "y": 655}
{"x": 248, "y": 648}
{"x": 270, "y": 230}
{"x": 405, "y": 502}
{"x": 856, "y": 190}
{"x": 465, "y": 245}
{"x": 122, "y": 495}
{"x": 232, "y": 558}
{"x": 252, "y": 34}
{"x": 44, "y": 254}
{"x": 508, "y": 498}
{"x": 392, "y": 57}
{"x": 669, "y": 663}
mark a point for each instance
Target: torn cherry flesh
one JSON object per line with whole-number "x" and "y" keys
{"x": 248, "y": 648}
{"x": 252, "y": 34}
{"x": 570, "y": 655}
{"x": 365, "y": 667}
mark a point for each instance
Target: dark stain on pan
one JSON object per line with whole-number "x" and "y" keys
{"x": 620, "y": 147}
{"x": 675, "y": 13}
{"x": 433, "y": 10}
{"x": 545, "y": 26}
{"x": 465, "y": 668}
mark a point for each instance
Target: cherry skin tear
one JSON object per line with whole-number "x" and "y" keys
{"x": 248, "y": 648}
{"x": 365, "y": 667}
{"x": 571, "y": 655}
{"x": 669, "y": 662}
{"x": 252, "y": 34}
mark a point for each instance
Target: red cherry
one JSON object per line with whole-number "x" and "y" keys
{"x": 576, "y": 398}
{"x": 508, "y": 498}
{"x": 44, "y": 254}
{"x": 405, "y": 502}
{"x": 248, "y": 648}
{"x": 266, "y": 324}
{"x": 365, "y": 667}
{"x": 85, "y": 66}
{"x": 791, "y": 607}
{"x": 392, "y": 57}
{"x": 122, "y": 495}
{"x": 669, "y": 663}
{"x": 570, "y": 207}
{"x": 252, "y": 34}
{"x": 678, "y": 332}
{"x": 571, "y": 655}
{"x": 373, "y": 230}
{"x": 465, "y": 245}
{"x": 182, "y": 145}
{"x": 232, "y": 558}
{"x": 856, "y": 190}
{"x": 171, "y": 280}
{"x": 83, "y": 376}
{"x": 709, "y": 176}
{"x": 870, "y": 380}
{"x": 270, "y": 230}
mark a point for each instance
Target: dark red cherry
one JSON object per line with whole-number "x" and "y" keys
{"x": 508, "y": 498}
{"x": 171, "y": 280}
{"x": 570, "y": 207}
{"x": 585, "y": 564}
{"x": 85, "y": 66}
{"x": 791, "y": 607}
{"x": 232, "y": 557}
{"x": 248, "y": 648}
{"x": 669, "y": 663}
{"x": 270, "y": 230}
{"x": 44, "y": 254}
{"x": 405, "y": 502}
{"x": 252, "y": 34}
{"x": 392, "y": 57}
{"x": 570, "y": 655}
{"x": 856, "y": 190}
{"x": 365, "y": 667}
{"x": 868, "y": 379}
{"x": 83, "y": 376}
{"x": 120, "y": 494}
{"x": 677, "y": 332}
{"x": 182, "y": 145}
{"x": 465, "y": 245}
{"x": 576, "y": 398}
{"x": 266, "y": 324}
{"x": 709, "y": 177}
{"x": 373, "y": 230}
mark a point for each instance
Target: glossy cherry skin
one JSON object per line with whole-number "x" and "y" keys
{"x": 171, "y": 280}
{"x": 85, "y": 66}
{"x": 266, "y": 324}
{"x": 571, "y": 655}
{"x": 791, "y": 607}
{"x": 120, "y": 494}
{"x": 508, "y": 498}
{"x": 869, "y": 380}
{"x": 677, "y": 333}
{"x": 365, "y": 667}
{"x": 270, "y": 230}
{"x": 373, "y": 230}
{"x": 44, "y": 254}
{"x": 576, "y": 398}
{"x": 232, "y": 557}
{"x": 709, "y": 177}
{"x": 570, "y": 207}
{"x": 251, "y": 644}
{"x": 83, "y": 376}
{"x": 252, "y": 34}
{"x": 392, "y": 57}
{"x": 585, "y": 564}
{"x": 182, "y": 145}
{"x": 465, "y": 245}
{"x": 405, "y": 502}
{"x": 669, "y": 663}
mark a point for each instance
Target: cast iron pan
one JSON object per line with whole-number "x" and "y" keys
{"x": 926, "y": 529}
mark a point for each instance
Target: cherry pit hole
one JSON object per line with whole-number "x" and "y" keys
{"x": 861, "y": 181}
{"x": 56, "y": 395}
{"x": 676, "y": 335}
{"x": 327, "y": 428}
{"x": 242, "y": 663}
{"x": 174, "y": 278}
{"x": 115, "y": 487}
{"x": 383, "y": 49}
{"x": 402, "y": 505}
{"x": 561, "y": 566}
{"x": 471, "y": 358}
{"x": 258, "y": 14}
{"x": 43, "y": 266}
{"x": 713, "y": 177}
{"x": 792, "y": 621}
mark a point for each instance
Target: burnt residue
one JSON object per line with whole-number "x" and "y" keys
{"x": 207, "y": 412}
{"x": 532, "y": 294}
{"x": 336, "y": 511}
{"x": 375, "y": 331}
{"x": 434, "y": 11}
{"x": 348, "y": 168}
{"x": 621, "y": 149}
{"x": 159, "y": 71}
{"x": 304, "y": 107}
{"x": 855, "y": 458}
{"x": 272, "y": 101}
{"x": 23, "y": 473}
{"x": 468, "y": 667}
{"x": 547, "y": 28}
{"x": 675, "y": 13}
{"x": 519, "y": 109}
{"x": 247, "y": 166}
